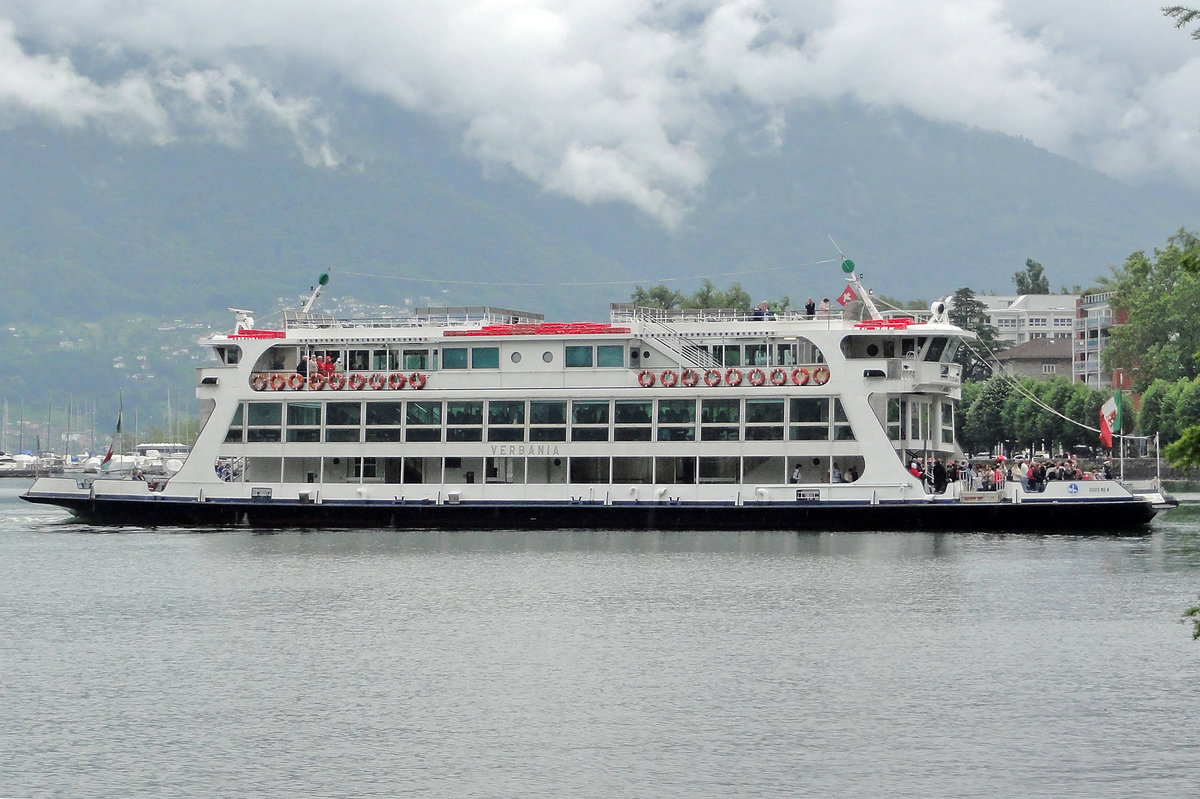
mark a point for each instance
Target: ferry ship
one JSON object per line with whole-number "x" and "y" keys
{"x": 482, "y": 417}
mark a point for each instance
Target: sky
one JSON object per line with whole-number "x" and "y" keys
{"x": 626, "y": 101}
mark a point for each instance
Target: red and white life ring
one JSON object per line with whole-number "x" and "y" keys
{"x": 357, "y": 381}
{"x": 337, "y": 381}
{"x": 821, "y": 375}
{"x": 778, "y": 376}
{"x": 800, "y": 376}
{"x": 690, "y": 377}
{"x": 712, "y": 378}
{"x": 376, "y": 381}
{"x": 733, "y": 377}
{"x": 668, "y": 378}
{"x": 317, "y": 381}
{"x": 278, "y": 381}
{"x": 645, "y": 378}
{"x": 416, "y": 380}
{"x": 757, "y": 376}
{"x": 259, "y": 382}
{"x": 296, "y": 382}
{"x": 396, "y": 381}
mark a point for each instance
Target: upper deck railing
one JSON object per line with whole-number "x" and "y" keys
{"x": 624, "y": 312}
{"x": 456, "y": 316}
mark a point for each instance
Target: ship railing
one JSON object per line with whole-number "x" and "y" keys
{"x": 423, "y": 317}
{"x": 626, "y": 312}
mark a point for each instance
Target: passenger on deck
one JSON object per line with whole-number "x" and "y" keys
{"x": 796, "y": 474}
{"x": 823, "y": 310}
{"x": 810, "y": 308}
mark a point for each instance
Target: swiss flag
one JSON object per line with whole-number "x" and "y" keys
{"x": 847, "y": 295}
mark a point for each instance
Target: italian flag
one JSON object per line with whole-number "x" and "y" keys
{"x": 1110, "y": 420}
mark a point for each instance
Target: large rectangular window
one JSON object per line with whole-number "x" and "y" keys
{"x": 809, "y": 419}
{"x": 610, "y": 355}
{"x": 633, "y": 420}
{"x": 578, "y": 355}
{"x": 677, "y": 420}
{"x": 506, "y": 420}
{"x": 719, "y": 419}
{"x": 764, "y": 420}
{"x": 548, "y": 420}
{"x": 485, "y": 357}
{"x": 454, "y": 358}
{"x": 589, "y": 420}
{"x": 423, "y": 421}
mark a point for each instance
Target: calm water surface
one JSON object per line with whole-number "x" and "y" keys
{"x": 594, "y": 664}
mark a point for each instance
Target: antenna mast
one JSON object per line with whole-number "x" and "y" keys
{"x": 855, "y": 280}
{"x": 322, "y": 282}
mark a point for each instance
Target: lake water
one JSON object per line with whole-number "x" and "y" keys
{"x": 594, "y": 664}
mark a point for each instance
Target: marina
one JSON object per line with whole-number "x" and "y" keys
{"x": 482, "y": 417}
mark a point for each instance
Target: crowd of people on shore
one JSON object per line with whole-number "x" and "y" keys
{"x": 992, "y": 475}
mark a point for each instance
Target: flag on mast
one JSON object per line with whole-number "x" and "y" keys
{"x": 1110, "y": 420}
{"x": 109, "y": 456}
{"x": 847, "y": 296}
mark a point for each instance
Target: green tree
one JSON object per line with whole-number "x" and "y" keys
{"x": 709, "y": 296}
{"x": 1150, "y": 414}
{"x": 1033, "y": 280}
{"x": 1184, "y": 17}
{"x": 985, "y": 419}
{"x": 969, "y": 313}
{"x": 656, "y": 297}
{"x": 1160, "y": 338}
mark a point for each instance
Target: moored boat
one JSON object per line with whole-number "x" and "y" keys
{"x": 482, "y": 417}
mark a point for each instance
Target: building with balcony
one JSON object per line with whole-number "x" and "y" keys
{"x": 1094, "y": 320}
{"x": 1031, "y": 316}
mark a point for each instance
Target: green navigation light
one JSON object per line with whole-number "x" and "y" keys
{"x": 848, "y": 266}
{"x": 323, "y": 279}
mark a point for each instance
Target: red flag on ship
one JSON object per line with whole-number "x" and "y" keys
{"x": 847, "y": 296}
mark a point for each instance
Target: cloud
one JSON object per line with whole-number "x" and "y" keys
{"x": 620, "y": 100}
{"x": 160, "y": 104}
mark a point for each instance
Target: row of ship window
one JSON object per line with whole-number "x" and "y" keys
{"x": 574, "y": 356}
{"x": 716, "y": 419}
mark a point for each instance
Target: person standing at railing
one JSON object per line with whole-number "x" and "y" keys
{"x": 810, "y": 308}
{"x": 823, "y": 309}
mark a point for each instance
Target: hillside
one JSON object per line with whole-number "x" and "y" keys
{"x": 95, "y": 233}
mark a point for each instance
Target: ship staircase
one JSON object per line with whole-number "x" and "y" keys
{"x": 687, "y": 352}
